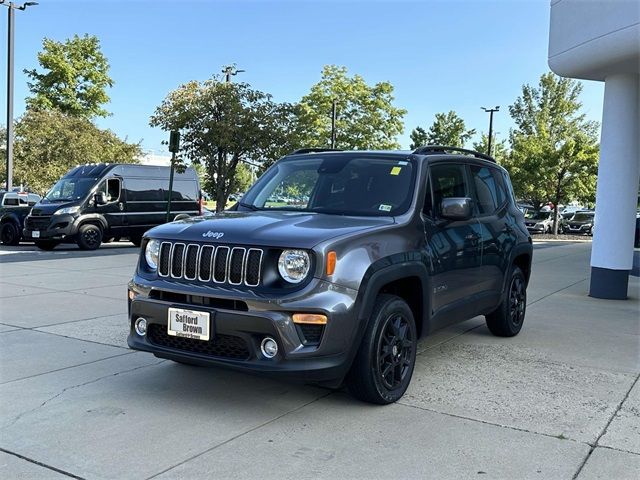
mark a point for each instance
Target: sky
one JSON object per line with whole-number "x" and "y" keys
{"x": 439, "y": 55}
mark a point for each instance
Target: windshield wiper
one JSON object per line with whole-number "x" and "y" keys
{"x": 249, "y": 206}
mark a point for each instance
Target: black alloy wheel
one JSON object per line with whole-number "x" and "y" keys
{"x": 395, "y": 349}
{"x": 89, "y": 237}
{"x": 9, "y": 234}
{"x": 507, "y": 319}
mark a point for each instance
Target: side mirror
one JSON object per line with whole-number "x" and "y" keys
{"x": 456, "y": 208}
{"x": 181, "y": 216}
{"x": 101, "y": 198}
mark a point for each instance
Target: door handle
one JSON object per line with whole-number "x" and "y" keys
{"x": 121, "y": 206}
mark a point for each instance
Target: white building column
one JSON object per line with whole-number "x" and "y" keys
{"x": 617, "y": 191}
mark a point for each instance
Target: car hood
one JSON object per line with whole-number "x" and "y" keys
{"x": 277, "y": 229}
{"x": 49, "y": 208}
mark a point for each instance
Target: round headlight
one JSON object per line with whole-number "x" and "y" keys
{"x": 294, "y": 265}
{"x": 151, "y": 253}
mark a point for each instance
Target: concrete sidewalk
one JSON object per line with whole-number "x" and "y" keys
{"x": 561, "y": 400}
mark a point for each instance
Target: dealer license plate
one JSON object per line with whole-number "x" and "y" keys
{"x": 188, "y": 324}
{"x": 35, "y": 234}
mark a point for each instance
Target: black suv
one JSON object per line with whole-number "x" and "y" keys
{"x": 332, "y": 266}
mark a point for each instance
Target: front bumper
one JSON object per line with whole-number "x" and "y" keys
{"x": 51, "y": 227}
{"x": 237, "y": 333}
{"x": 582, "y": 229}
{"x": 534, "y": 229}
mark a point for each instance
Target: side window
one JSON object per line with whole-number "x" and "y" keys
{"x": 509, "y": 187}
{"x": 500, "y": 186}
{"x": 486, "y": 191}
{"x": 113, "y": 189}
{"x": 447, "y": 181}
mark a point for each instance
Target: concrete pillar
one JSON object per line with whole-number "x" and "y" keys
{"x": 617, "y": 191}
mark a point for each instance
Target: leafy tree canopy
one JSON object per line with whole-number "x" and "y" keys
{"x": 48, "y": 143}
{"x": 447, "y": 129}
{"x": 74, "y": 77}
{"x": 223, "y": 124}
{"x": 554, "y": 149}
{"x": 499, "y": 150}
{"x": 366, "y": 117}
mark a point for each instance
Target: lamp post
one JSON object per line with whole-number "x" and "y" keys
{"x": 10, "y": 20}
{"x": 490, "y": 112}
{"x": 229, "y": 71}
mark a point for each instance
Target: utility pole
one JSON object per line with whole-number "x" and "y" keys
{"x": 10, "y": 28}
{"x": 174, "y": 146}
{"x": 229, "y": 71}
{"x": 334, "y": 111}
{"x": 490, "y": 112}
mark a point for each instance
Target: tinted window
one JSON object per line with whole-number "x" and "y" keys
{"x": 113, "y": 189}
{"x": 11, "y": 201}
{"x": 500, "y": 186}
{"x": 448, "y": 181}
{"x": 156, "y": 190}
{"x": 485, "y": 188}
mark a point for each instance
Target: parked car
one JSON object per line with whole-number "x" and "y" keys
{"x": 98, "y": 201}
{"x": 563, "y": 220}
{"x": 582, "y": 223}
{"x": 539, "y": 222}
{"x": 14, "y": 208}
{"x": 390, "y": 246}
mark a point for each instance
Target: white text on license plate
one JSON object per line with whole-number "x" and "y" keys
{"x": 188, "y": 324}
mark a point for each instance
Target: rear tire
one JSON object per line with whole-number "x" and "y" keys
{"x": 383, "y": 366}
{"x": 507, "y": 319}
{"x": 9, "y": 234}
{"x": 89, "y": 237}
{"x": 46, "y": 245}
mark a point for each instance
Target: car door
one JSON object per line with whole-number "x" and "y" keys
{"x": 113, "y": 210}
{"x": 496, "y": 226}
{"x": 453, "y": 244}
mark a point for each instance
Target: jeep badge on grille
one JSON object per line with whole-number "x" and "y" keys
{"x": 210, "y": 234}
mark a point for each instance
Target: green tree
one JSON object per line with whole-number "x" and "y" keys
{"x": 366, "y": 117}
{"x": 48, "y": 143}
{"x": 419, "y": 137}
{"x": 223, "y": 124}
{"x": 499, "y": 149}
{"x": 447, "y": 129}
{"x": 74, "y": 77}
{"x": 554, "y": 149}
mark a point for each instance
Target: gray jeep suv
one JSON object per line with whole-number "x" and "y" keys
{"x": 333, "y": 264}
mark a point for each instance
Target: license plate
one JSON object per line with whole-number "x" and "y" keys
{"x": 35, "y": 234}
{"x": 188, "y": 324}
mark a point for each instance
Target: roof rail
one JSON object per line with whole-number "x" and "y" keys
{"x": 436, "y": 149}
{"x": 315, "y": 150}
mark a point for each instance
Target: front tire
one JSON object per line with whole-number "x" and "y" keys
{"x": 507, "y": 319}
{"x": 89, "y": 237}
{"x": 383, "y": 366}
{"x": 9, "y": 234}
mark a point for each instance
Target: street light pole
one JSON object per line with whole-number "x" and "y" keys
{"x": 490, "y": 111}
{"x": 334, "y": 111}
{"x": 10, "y": 29}
{"x": 229, "y": 71}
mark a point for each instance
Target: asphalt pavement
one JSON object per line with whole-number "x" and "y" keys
{"x": 560, "y": 400}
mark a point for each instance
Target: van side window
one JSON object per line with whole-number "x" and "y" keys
{"x": 485, "y": 190}
{"x": 113, "y": 189}
{"x": 448, "y": 181}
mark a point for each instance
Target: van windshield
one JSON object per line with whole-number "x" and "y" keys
{"x": 336, "y": 184}
{"x": 69, "y": 189}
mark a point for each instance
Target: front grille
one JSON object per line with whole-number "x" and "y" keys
{"x": 208, "y": 263}
{"x": 221, "y": 346}
{"x": 38, "y": 223}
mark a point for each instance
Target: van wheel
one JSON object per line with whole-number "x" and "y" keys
{"x": 383, "y": 366}
{"x": 46, "y": 245}
{"x": 507, "y": 319}
{"x": 89, "y": 237}
{"x": 9, "y": 234}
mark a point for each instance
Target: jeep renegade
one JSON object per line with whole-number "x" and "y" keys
{"x": 333, "y": 264}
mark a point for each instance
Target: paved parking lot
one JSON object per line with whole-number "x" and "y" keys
{"x": 561, "y": 400}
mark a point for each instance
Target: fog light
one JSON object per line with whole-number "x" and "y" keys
{"x": 269, "y": 347}
{"x": 141, "y": 326}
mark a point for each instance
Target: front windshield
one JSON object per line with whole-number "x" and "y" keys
{"x": 583, "y": 217}
{"x": 68, "y": 189}
{"x": 336, "y": 184}
{"x": 537, "y": 215}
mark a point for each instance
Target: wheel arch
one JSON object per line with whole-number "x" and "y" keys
{"x": 93, "y": 219}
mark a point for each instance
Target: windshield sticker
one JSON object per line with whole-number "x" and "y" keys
{"x": 395, "y": 171}
{"x": 384, "y": 208}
